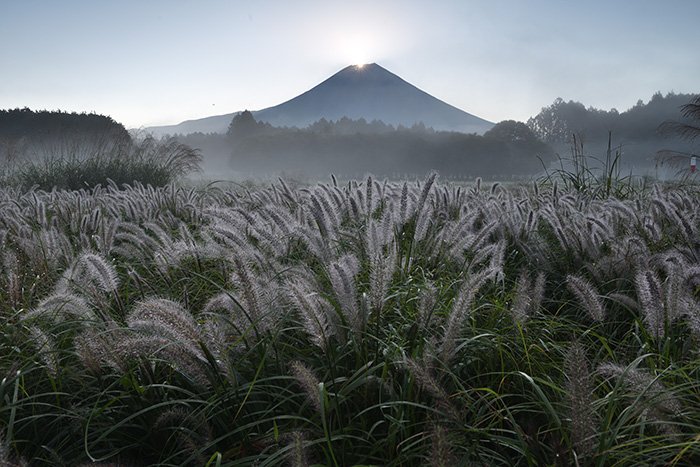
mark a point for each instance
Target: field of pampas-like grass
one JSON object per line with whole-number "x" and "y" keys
{"x": 359, "y": 323}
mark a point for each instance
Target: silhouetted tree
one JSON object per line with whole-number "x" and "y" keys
{"x": 525, "y": 149}
{"x": 553, "y": 123}
{"x": 244, "y": 124}
{"x": 512, "y": 131}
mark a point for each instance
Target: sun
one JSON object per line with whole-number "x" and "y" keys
{"x": 356, "y": 49}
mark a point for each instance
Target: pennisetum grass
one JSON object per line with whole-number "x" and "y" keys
{"x": 358, "y": 323}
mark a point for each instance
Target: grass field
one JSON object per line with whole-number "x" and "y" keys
{"x": 368, "y": 323}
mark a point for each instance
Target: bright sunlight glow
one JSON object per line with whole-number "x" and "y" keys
{"x": 356, "y": 49}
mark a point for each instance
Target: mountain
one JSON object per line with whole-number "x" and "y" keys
{"x": 357, "y": 91}
{"x": 214, "y": 124}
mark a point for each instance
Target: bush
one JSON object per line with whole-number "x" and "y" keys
{"x": 149, "y": 162}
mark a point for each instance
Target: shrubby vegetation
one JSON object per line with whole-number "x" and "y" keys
{"x": 62, "y": 150}
{"x": 147, "y": 161}
{"x": 365, "y": 323}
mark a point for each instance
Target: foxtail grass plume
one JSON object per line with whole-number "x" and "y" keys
{"x": 426, "y": 381}
{"x": 308, "y": 382}
{"x": 579, "y": 392}
{"x": 381, "y": 270}
{"x": 426, "y": 305}
{"x": 183, "y": 357}
{"x": 441, "y": 454}
{"x": 461, "y": 310}
{"x": 46, "y": 348}
{"x": 342, "y": 275}
{"x": 61, "y": 305}
{"x": 522, "y": 300}
{"x": 165, "y": 318}
{"x": 298, "y": 456}
{"x": 650, "y": 299}
{"x": 587, "y": 296}
{"x": 314, "y": 311}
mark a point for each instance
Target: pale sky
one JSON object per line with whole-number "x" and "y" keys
{"x": 164, "y": 61}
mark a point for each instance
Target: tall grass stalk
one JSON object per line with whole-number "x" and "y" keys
{"x": 594, "y": 177}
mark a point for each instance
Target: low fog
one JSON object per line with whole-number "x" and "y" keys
{"x": 646, "y": 138}
{"x": 352, "y": 148}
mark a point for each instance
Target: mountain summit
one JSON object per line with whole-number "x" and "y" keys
{"x": 373, "y": 93}
{"x": 357, "y": 91}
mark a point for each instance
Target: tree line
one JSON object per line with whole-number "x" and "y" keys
{"x": 355, "y": 147}
{"x": 645, "y": 135}
{"x": 644, "y": 121}
{"x": 26, "y": 133}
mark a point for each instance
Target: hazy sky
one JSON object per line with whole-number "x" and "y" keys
{"x": 153, "y": 62}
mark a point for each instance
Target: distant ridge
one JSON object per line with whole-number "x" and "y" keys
{"x": 357, "y": 91}
{"x": 213, "y": 124}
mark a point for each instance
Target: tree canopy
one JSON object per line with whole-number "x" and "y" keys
{"x": 17, "y": 123}
{"x": 557, "y": 122}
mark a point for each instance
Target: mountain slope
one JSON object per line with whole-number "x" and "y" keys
{"x": 214, "y": 124}
{"x": 369, "y": 91}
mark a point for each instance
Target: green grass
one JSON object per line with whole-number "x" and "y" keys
{"x": 594, "y": 177}
{"x": 431, "y": 325}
